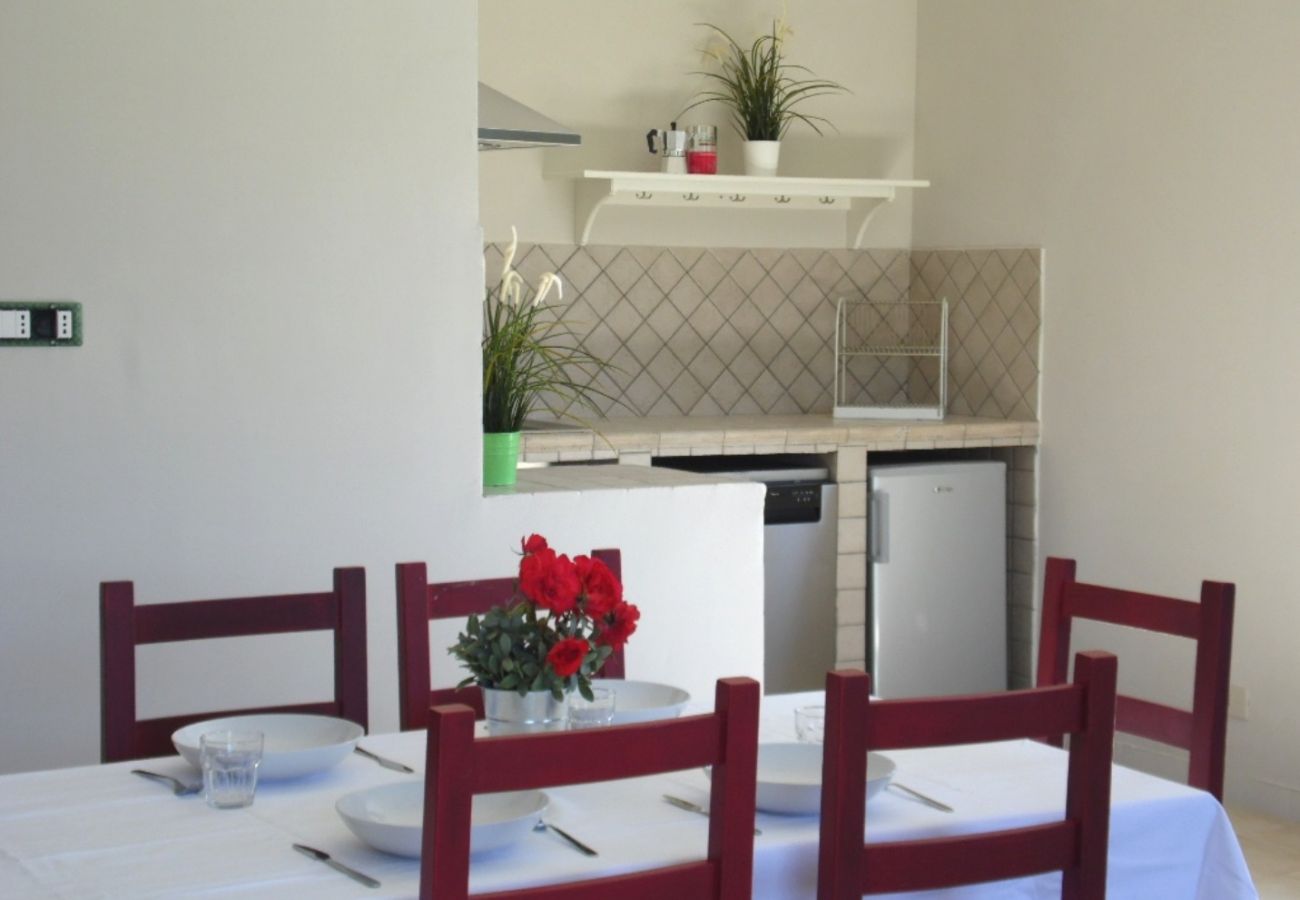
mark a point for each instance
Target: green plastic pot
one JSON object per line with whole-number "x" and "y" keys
{"x": 500, "y": 458}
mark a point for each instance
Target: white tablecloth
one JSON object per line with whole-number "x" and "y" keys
{"x": 100, "y": 832}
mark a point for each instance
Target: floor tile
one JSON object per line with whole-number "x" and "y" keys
{"x": 1272, "y": 849}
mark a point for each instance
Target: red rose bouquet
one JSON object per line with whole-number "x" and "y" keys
{"x": 567, "y": 616}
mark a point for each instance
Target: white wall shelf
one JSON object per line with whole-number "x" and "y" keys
{"x": 855, "y": 198}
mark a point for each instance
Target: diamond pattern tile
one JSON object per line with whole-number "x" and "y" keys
{"x": 666, "y": 271}
{"x": 697, "y": 331}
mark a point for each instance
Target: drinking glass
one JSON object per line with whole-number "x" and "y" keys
{"x": 702, "y": 150}
{"x": 230, "y": 760}
{"x": 593, "y": 713}
{"x": 810, "y": 724}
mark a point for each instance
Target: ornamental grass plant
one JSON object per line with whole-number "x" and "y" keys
{"x": 531, "y": 357}
{"x": 758, "y": 87}
{"x": 564, "y": 621}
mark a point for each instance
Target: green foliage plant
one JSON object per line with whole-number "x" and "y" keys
{"x": 531, "y": 358}
{"x": 758, "y": 87}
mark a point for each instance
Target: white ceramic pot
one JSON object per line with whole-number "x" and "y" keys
{"x": 761, "y": 157}
{"x": 509, "y": 712}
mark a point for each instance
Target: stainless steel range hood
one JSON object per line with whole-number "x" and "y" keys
{"x": 506, "y": 124}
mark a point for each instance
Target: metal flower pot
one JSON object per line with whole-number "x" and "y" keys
{"x": 509, "y": 712}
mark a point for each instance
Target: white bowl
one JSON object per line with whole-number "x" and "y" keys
{"x": 296, "y": 744}
{"x": 643, "y": 701}
{"x": 790, "y": 777}
{"x": 390, "y": 817}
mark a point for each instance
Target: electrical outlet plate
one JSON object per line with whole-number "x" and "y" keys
{"x": 31, "y": 323}
{"x": 1238, "y": 702}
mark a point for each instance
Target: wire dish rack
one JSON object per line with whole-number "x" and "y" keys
{"x": 891, "y": 359}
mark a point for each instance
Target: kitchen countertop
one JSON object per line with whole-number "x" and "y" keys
{"x": 637, "y": 437}
{"x": 602, "y": 477}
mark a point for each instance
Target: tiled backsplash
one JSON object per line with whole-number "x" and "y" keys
{"x": 696, "y": 331}
{"x": 994, "y": 318}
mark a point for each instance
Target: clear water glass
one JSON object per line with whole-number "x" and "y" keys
{"x": 594, "y": 713}
{"x": 230, "y": 760}
{"x": 810, "y": 724}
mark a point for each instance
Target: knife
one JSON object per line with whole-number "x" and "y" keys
{"x": 543, "y": 825}
{"x": 918, "y": 796}
{"x": 692, "y": 807}
{"x": 337, "y": 866}
{"x": 386, "y": 763}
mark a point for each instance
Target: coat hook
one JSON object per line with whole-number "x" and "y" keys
{"x": 690, "y": 196}
{"x": 643, "y": 195}
{"x": 826, "y": 200}
{"x": 782, "y": 199}
{"x": 737, "y": 198}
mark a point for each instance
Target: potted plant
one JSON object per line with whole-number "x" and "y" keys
{"x": 761, "y": 91}
{"x": 552, "y": 637}
{"x": 531, "y": 358}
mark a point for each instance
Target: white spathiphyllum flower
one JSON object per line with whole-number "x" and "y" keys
{"x": 544, "y": 284}
{"x": 512, "y": 285}
{"x": 532, "y": 359}
{"x": 506, "y": 271}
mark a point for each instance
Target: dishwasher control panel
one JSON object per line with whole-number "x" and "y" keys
{"x": 791, "y": 502}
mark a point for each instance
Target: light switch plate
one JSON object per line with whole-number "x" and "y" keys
{"x": 32, "y": 323}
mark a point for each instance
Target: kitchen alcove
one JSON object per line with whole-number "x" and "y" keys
{"x": 857, "y": 199}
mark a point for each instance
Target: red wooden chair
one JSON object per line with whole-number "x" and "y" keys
{"x": 1203, "y": 731}
{"x": 1076, "y": 845}
{"x": 419, "y": 603}
{"x": 123, "y": 626}
{"x": 458, "y": 767}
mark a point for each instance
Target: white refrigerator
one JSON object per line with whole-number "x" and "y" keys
{"x": 937, "y": 600}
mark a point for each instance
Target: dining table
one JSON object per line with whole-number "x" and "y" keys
{"x": 99, "y": 831}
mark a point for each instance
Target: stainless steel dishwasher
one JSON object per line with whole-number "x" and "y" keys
{"x": 799, "y": 550}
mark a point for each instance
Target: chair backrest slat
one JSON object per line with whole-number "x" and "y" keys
{"x": 696, "y": 879}
{"x": 124, "y": 626}
{"x": 726, "y": 738}
{"x": 1169, "y": 615}
{"x": 419, "y": 602}
{"x": 1076, "y": 845}
{"x": 1153, "y": 721}
{"x": 971, "y": 859}
{"x": 940, "y": 721}
{"x": 163, "y": 623}
{"x": 1202, "y": 730}
{"x": 690, "y": 743}
{"x": 458, "y": 599}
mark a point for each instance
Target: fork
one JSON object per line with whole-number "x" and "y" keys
{"x": 179, "y": 788}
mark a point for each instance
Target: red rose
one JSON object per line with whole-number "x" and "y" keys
{"x": 566, "y": 657}
{"x": 619, "y": 625}
{"x": 550, "y": 581}
{"x": 533, "y": 543}
{"x": 599, "y": 584}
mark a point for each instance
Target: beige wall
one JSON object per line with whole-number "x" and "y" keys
{"x": 268, "y": 212}
{"x": 614, "y": 69}
{"x": 245, "y": 197}
{"x": 1151, "y": 148}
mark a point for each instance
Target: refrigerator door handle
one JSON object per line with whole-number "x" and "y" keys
{"x": 877, "y": 515}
